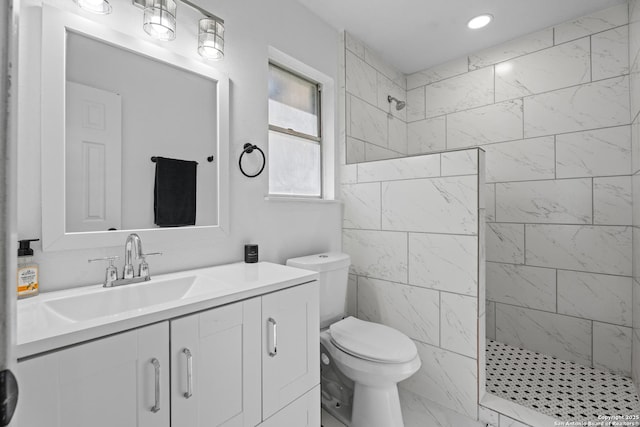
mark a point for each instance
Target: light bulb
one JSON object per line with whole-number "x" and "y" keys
{"x": 479, "y": 21}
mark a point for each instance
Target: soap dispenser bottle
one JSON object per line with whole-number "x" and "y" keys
{"x": 27, "y": 270}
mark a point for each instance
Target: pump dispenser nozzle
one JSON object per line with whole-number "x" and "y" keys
{"x": 25, "y": 247}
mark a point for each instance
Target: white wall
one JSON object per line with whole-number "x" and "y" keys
{"x": 282, "y": 229}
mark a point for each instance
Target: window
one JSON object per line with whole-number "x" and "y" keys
{"x": 295, "y": 128}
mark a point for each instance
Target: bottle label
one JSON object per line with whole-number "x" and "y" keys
{"x": 27, "y": 280}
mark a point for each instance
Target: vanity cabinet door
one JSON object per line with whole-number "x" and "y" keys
{"x": 104, "y": 383}
{"x": 215, "y": 372}
{"x": 290, "y": 346}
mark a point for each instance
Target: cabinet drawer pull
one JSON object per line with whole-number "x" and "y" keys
{"x": 273, "y": 344}
{"x": 156, "y": 366}
{"x": 189, "y": 391}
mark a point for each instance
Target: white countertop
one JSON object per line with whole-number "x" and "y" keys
{"x": 42, "y": 329}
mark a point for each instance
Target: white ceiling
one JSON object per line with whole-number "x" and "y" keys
{"x": 414, "y": 35}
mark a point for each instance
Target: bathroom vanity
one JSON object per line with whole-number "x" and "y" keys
{"x": 233, "y": 345}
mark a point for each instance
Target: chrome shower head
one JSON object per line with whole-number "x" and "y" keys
{"x": 399, "y": 104}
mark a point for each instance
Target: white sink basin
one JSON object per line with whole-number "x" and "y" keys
{"x": 128, "y": 298}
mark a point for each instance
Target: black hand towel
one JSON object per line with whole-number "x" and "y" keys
{"x": 174, "y": 194}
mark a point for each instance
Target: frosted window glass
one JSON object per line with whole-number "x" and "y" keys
{"x": 293, "y": 102}
{"x": 294, "y": 166}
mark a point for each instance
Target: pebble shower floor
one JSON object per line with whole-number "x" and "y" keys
{"x": 563, "y": 390}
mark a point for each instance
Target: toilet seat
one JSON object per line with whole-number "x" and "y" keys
{"x": 372, "y": 341}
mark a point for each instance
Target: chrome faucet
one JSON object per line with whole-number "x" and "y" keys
{"x": 133, "y": 244}
{"x": 132, "y": 251}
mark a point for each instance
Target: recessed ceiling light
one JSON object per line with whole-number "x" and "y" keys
{"x": 479, "y": 21}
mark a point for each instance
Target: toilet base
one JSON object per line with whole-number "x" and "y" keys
{"x": 376, "y": 407}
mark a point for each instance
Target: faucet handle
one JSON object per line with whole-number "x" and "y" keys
{"x": 111, "y": 274}
{"x": 144, "y": 267}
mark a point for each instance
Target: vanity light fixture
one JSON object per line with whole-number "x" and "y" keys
{"x": 160, "y": 19}
{"x": 100, "y": 7}
{"x": 160, "y": 22}
{"x": 480, "y": 21}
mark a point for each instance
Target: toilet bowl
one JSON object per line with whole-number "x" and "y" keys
{"x": 374, "y": 356}
{"x": 375, "y": 365}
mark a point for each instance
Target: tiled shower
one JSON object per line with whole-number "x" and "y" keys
{"x": 556, "y": 113}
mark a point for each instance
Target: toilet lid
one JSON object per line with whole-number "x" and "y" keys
{"x": 372, "y": 341}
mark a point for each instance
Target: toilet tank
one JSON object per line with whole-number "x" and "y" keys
{"x": 333, "y": 268}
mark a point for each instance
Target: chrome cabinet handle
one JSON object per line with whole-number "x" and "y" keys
{"x": 273, "y": 345}
{"x": 189, "y": 392}
{"x": 156, "y": 366}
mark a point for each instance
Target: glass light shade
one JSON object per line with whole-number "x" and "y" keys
{"x": 100, "y": 7}
{"x": 160, "y": 19}
{"x": 211, "y": 38}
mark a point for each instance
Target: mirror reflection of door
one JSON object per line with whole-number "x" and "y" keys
{"x": 93, "y": 159}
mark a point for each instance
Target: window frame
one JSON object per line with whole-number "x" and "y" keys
{"x": 305, "y": 136}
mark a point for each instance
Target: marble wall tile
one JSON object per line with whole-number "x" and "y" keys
{"x": 348, "y": 174}
{"x": 418, "y": 411}
{"x": 368, "y": 123}
{"x": 444, "y": 262}
{"x": 612, "y": 348}
{"x": 355, "y": 150}
{"x": 595, "y": 296}
{"x": 612, "y": 204}
{"x": 411, "y": 310}
{"x": 634, "y": 84}
{"x": 488, "y": 416}
{"x": 590, "y": 24}
{"x": 491, "y": 320}
{"x": 446, "y": 378}
{"x": 490, "y": 202}
{"x": 590, "y": 106}
{"x": 374, "y": 152}
{"x": 635, "y": 236}
{"x": 415, "y": 104}
{"x": 437, "y": 73}
{"x": 377, "y": 254}
{"x": 397, "y": 135}
{"x": 610, "y": 53}
{"x": 600, "y": 152}
{"x": 530, "y": 287}
{"x": 635, "y": 214}
{"x": 635, "y": 140}
{"x": 440, "y": 205}
{"x": 596, "y": 249}
{"x": 484, "y": 125}
{"x": 473, "y": 89}
{"x": 567, "y": 201}
{"x": 361, "y": 206}
{"x": 512, "y": 49}
{"x": 561, "y": 66}
{"x": 505, "y": 243}
{"x": 524, "y": 160}
{"x": 426, "y": 136}
{"x": 564, "y": 337}
{"x": 459, "y": 323}
{"x": 510, "y": 422}
{"x": 352, "y": 296}
{"x": 361, "y": 79}
{"x": 413, "y": 167}
{"x": 354, "y": 45}
{"x": 373, "y": 58}
{"x": 385, "y": 88}
{"x": 464, "y": 162}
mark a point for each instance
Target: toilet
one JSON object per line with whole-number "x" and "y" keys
{"x": 366, "y": 357}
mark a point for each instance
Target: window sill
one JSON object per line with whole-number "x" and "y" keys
{"x": 301, "y": 200}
